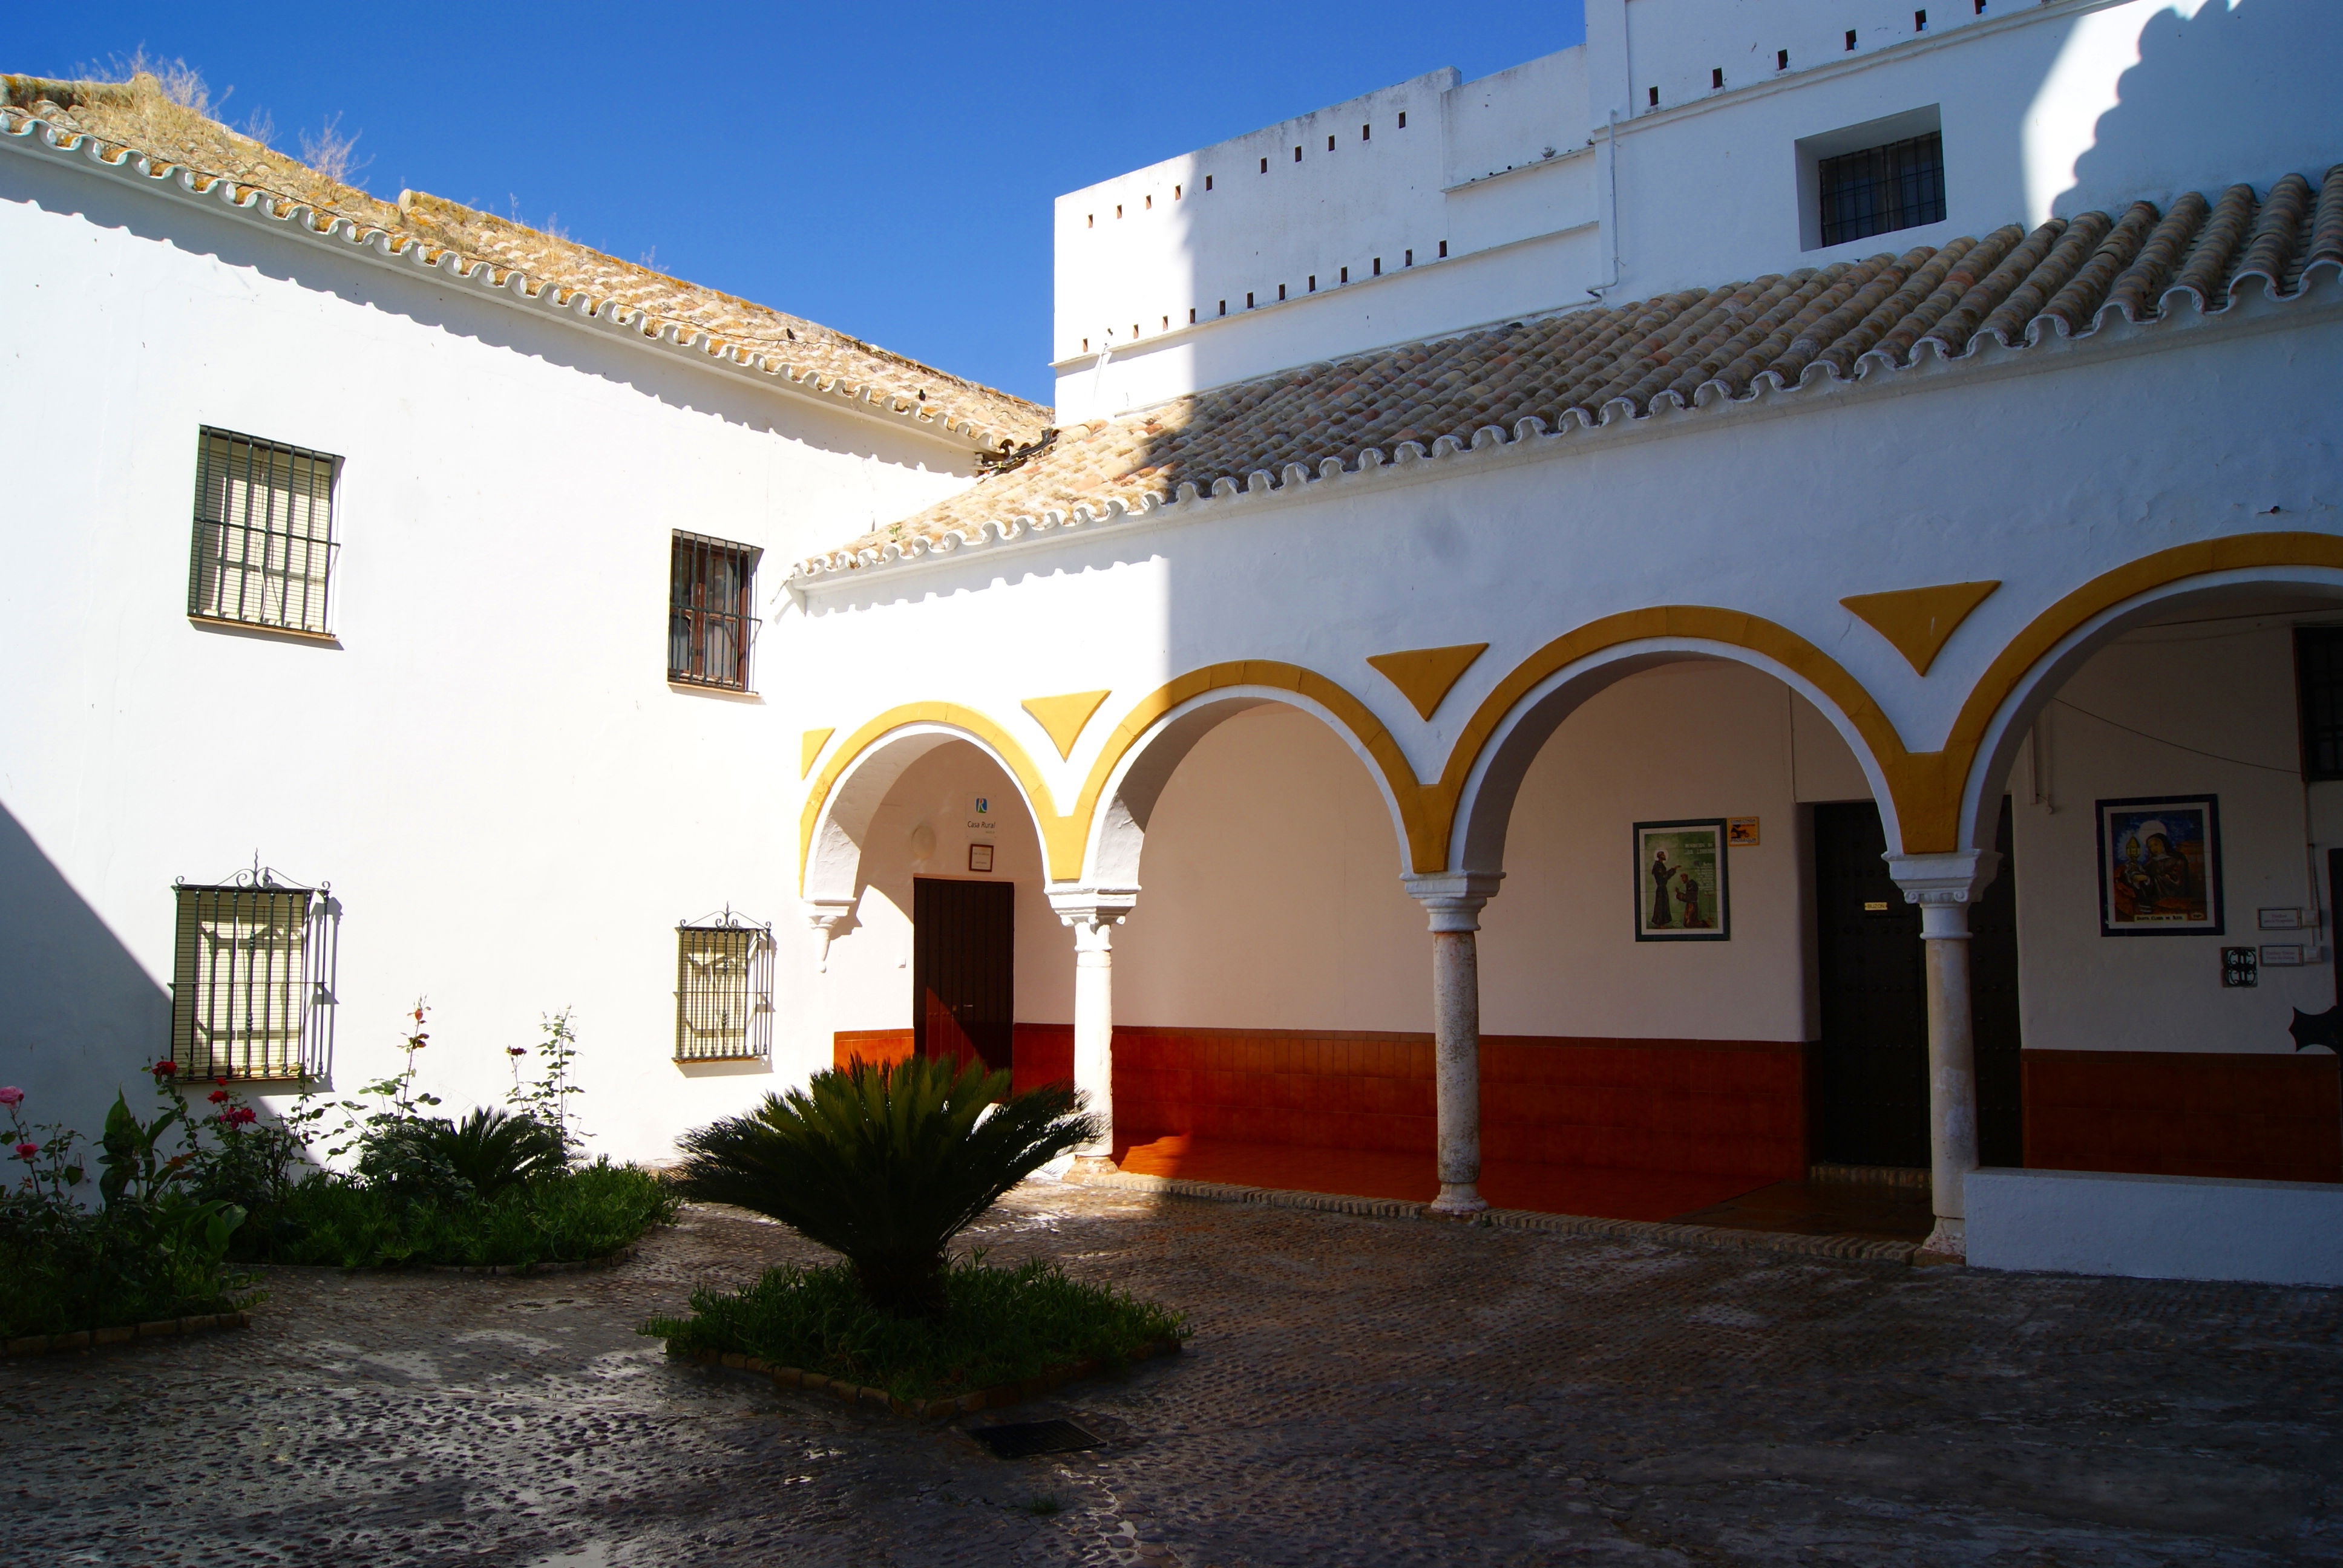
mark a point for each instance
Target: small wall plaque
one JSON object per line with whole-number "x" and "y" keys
{"x": 1740, "y": 832}
{"x": 2281, "y": 920}
{"x": 980, "y": 857}
{"x": 2240, "y": 967}
{"x": 2288, "y": 955}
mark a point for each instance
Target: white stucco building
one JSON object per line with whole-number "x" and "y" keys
{"x": 1782, "y": 437}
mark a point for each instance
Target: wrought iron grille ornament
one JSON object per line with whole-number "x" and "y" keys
{"x": 264, "y": 547}
{"x": 252, "y": 977}
{"x": 709, "y": 629}
{"x": 723, "y": 989}
{"x": 1881, "y": 189}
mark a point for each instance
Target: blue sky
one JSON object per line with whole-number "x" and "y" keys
{"x": 886, "y": 170}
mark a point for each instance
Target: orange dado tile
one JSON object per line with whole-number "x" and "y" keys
{"x": 2185, "y": 1113}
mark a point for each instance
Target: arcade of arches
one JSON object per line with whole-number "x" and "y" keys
{"x": 1271, "y": 1024}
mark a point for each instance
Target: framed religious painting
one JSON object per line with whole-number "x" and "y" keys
{"x": 1680, "y": 891}
{"x": 2160, "y": 866}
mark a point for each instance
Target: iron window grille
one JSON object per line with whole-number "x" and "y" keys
{"x": 709, "y": 629}
{"x": 1880, "y": 189}
{"x": 723, "y": 990}
{"x": 2319, "y": 690}
{"x": 264, "y": 545}
{"x": 252, "y": 977}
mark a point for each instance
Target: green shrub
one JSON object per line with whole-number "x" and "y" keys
{"x": 885, "y": 1166}
{"x": 565, "y": 1216}
{"x": 994, "y": 1326}
{"x": 432, "y": 1159}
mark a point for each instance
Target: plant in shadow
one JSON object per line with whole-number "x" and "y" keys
{"x": 481, "y": 1156}
{"x": 885, "y": 1165}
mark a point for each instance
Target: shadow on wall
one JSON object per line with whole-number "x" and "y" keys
{"x": 82, "y": 1015}
{"x": 2266, "y": 68}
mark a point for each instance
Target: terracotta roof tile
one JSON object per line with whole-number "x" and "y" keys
{"x": 135, "y": 118}
{"x": 1551, "y": 374}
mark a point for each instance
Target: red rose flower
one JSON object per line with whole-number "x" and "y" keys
{"x": 218, "y": 1095}
{"x": 27, "y": 1151}
{"x": 165, "y": 1069}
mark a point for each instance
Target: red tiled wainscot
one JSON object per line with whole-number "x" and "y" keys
{"x": 2184, "y": 1113}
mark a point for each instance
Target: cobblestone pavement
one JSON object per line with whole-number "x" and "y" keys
{"x": 1358, "y": 1391}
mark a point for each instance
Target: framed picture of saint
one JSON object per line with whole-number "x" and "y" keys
{"x": 1680, "y": 892}
{"x": 2160, "y": 866}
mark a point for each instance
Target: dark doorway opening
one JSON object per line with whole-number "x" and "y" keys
{"x": 1871, "y": 1093}
{"x": 963, "y": 969}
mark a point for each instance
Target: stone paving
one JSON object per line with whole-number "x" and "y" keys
{"x": 1358, "y": 1391}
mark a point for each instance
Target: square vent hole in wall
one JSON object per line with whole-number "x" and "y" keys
{"x": 1873, "y": 178}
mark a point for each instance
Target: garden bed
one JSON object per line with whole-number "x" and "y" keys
{"x": 1002, "y": 1335}
{"x": 590, "y": 1216}
{"x": 123, "y": 1333}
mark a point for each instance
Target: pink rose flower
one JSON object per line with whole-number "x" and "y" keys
{"x": 11, "y": 1098}
{"x": 27, "y": 1151}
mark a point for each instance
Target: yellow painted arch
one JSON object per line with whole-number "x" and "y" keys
{"x": 1063, "y": 836}
{"x": 1908, "y": 776}
{"x": 2241, "y": 552}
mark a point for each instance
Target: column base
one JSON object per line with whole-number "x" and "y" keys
{"x": 1458, "y": 1201}
{"x": 1090, "y": 1165}
{"x": 1948, "y": 1244}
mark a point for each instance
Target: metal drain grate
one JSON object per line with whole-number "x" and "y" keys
{"x": 1022, "y": 1439}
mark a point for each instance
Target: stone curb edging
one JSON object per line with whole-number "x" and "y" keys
{"x": 122, "y": 1334}
{"x": 606, "y": 1261}
{"x": 1858, "y": 1247}
{"x": 994, "y": 1398}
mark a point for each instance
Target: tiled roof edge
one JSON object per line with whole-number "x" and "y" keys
{"x": 2197, "y": 277}
{"x": 22, "y": 129}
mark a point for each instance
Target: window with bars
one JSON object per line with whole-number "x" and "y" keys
{"x": 1877, "y": 190}
{"x": 2318, "y": 691}
{"x": 252, "y": 980}
{"x": 709, "y": 629}
{"x": 723, "y": 990}
{"x": 264, "y": 546}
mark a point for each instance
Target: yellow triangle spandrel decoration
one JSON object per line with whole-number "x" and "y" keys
{"x": 810, "y": 747}
{"x": 1062, "y": 718}
{"x": 1919, "y": 621}
{"x": 1425, "y": 675}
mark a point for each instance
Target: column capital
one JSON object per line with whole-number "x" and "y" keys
{"x": 1452, "y": 898}
{"x": 1945, "y": 886}
{"x": 1093, "y": 909}
{"x": 825, "y": 915}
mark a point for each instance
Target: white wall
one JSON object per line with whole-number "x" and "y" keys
{"x": 2201, "y": 707}
{"x": 490, "y": 767}
{"x": 2044, "y": 109}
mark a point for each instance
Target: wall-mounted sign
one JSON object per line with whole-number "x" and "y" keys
{"x": 980, "y": 857}
{"x": 1680, "y": 892}
{"x": 2284, "y": 957}
{"x": 2278, "y": 920}
{"x": 983, "y": 828}
{"x": 2160, "y": 866}
{"x": 1740, "y": 832}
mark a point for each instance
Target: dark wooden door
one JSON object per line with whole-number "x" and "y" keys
{"x": 963, "y": 969}
{"x": 1872, "y": 1065}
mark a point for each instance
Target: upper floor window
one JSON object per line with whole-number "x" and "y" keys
{"x": 1877, "y": 190}
{"x": 723, "y": 990}
{"x": 709, "y": 629}
{"x": 252, "y": 979}
{"x": 264, "y": 546}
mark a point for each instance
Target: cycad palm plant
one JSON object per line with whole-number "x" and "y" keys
{"x": 884, "y": 1165}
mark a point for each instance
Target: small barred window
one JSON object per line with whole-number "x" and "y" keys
{"x": 709, "y": 629}
{"x": 264, "y": 546}
{"x": 1879, "y": 190}
{"x": 723, "y": 990}
{"x": 252, "y": 979}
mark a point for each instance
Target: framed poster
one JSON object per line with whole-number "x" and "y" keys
{"x": 1680, "y": 892}
{"x": 2160, "y": 866}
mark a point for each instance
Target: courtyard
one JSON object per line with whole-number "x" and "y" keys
{"x": 1358, "y": 1390}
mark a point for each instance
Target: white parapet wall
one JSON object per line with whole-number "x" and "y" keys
{"x": 2157, "y": 1227}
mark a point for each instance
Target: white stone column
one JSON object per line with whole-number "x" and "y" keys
{"x": 1945, "y": 887}
{"x": 1453, "y": 899}
{"x": 1094, "y": 912}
